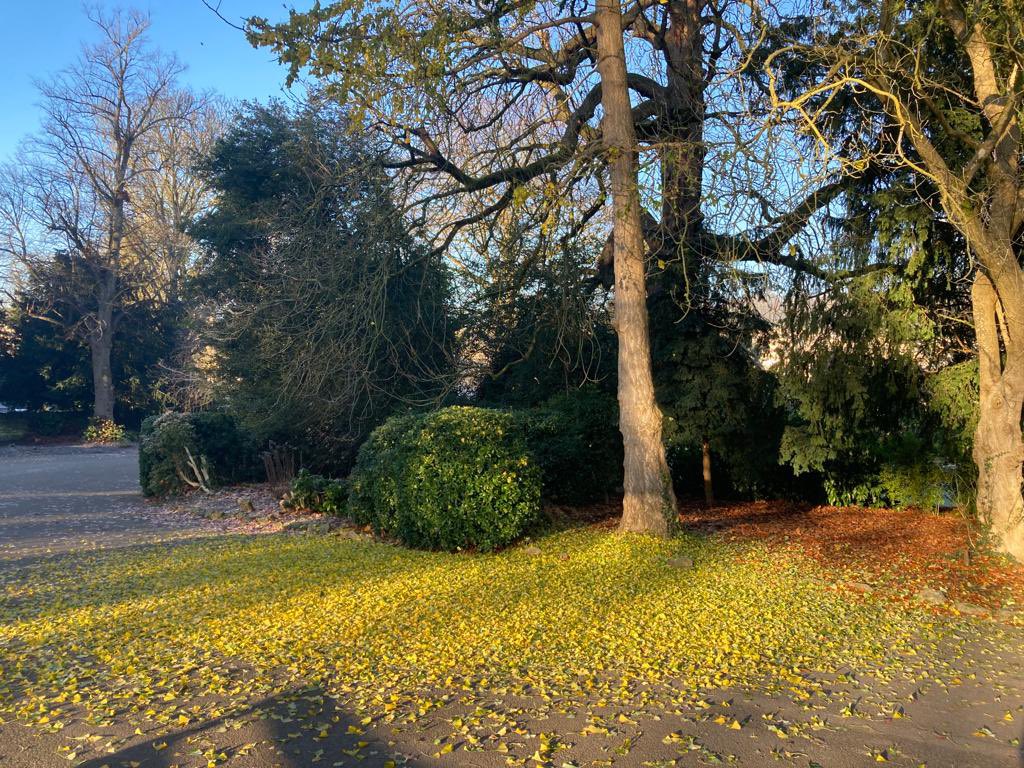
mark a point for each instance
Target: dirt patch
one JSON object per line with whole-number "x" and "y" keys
{"x": 247, "y": 509}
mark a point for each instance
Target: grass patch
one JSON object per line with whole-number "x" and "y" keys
{"x": 383, "y": 627}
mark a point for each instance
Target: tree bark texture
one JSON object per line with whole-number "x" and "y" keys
{"x": 102, "y": 376}
{"x": 998, "y": 445}
{"x": 649, "y": 505}
{"x": 101, "y": 335}
{"x": 682, "y": 165}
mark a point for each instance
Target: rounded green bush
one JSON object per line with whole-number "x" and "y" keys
{"x": 457, "y": 478}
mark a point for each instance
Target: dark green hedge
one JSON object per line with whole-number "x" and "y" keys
{"x": 21, "y": 425}
{"x": 574, "y": 438}
{"x": 228, "y": 449}
{"x": 457, "y": 478}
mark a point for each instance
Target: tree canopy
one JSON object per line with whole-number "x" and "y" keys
{"x": 324, "y": 312}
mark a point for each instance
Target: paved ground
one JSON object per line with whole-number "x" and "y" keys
{"x": 65, "y": 498}
{"x": 58, "y": 500}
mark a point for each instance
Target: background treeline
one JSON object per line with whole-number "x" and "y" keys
{"x": 310, "y": 312}
{"x": 271, "y": 269}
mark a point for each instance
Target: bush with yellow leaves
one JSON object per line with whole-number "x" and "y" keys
{"x": 104, "y": 431}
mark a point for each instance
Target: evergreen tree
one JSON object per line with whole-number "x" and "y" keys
{"x": 324, "y": 314}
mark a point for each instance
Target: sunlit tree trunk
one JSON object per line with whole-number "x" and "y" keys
{"x": 709, "y": 488}
{"x": 998, "y": 445}
{"x": 649, "y": 504}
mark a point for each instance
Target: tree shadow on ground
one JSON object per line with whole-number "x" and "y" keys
{"x": 292, "y": 729}
{"x": 42, "y": 559}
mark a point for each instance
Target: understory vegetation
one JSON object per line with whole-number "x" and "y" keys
{"x": 180, "y": 452}
{"x": 458, "y": 478}
{"x": 317, "y": 493}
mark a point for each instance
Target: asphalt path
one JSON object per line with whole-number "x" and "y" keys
{"x": 67, "y": 498}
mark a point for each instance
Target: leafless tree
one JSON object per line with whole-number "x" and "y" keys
{"x": 74, "y": 192}
{"x": 172, "y": 194}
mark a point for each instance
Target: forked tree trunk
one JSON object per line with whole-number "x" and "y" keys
{"x": 649, "y": 505}
{"x": 998, "y": 446}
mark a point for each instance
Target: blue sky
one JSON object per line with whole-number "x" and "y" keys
{"x": 44, "y": 36}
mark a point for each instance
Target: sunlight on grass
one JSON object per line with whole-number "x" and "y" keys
{"x": 381, "y": 626}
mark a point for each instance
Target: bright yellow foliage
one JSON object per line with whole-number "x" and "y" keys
{"x": 384, "y": 628}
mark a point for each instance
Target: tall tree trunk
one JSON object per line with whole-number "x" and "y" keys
{"x": 102, "y": 377}
{"x": 998, "y": 445}
{"x": 709, "y": 489}
{"x": 649, "y": 505}
{"x": 101, "y": 341}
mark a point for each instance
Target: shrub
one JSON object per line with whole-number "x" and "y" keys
{"x": 923, "y": 484}
{"x": 318, "y": 494}
{"x": 104, "y": 431}
{"x": 457, "y": 478}
{"x": 164, "y": 442}
{"x": 55, "y": 423}
{"x": 908, "y": 471}
{"x": 20, "y": 425}
{"x": 574, "y": 438}
{"x": 12, "y": 427}
{"x": 211, "y": 440}
{"x": 377, "y": 475}
{"x": 335, "y": 498}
